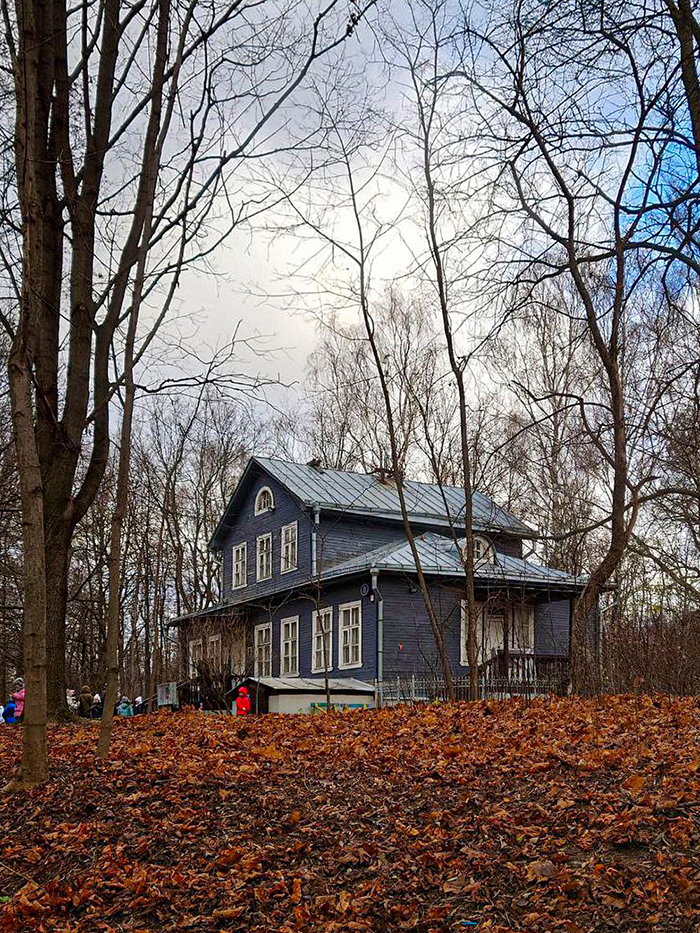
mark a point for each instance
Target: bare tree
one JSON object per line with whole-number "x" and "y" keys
{"x": 134, "y": 187}
{"x": 613, "y": 220}
{"x": 355, "y": 176}
{"x": 344, "y": 414}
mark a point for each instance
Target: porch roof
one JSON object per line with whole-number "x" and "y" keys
{"x": 439, "y": 556}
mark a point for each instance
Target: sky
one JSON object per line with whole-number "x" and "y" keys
{"x": 249, "y": 269}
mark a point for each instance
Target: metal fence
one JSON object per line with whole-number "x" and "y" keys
{"x": 431, "y": 689}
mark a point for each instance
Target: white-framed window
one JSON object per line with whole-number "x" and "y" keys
{"x": 288, "y": 557}
{"x": 350, "y": 635}
{"x": 214, "y": 651}
{"x": 263, "y": 650}
{"x": 322, "y": 641}
{"x": 195, "y": 655}
{"x": 264, "y": 501}
{"x": 463, "y": 633}
{"x": 289, "y": 647}
{"x": 240, "y": 558}
{"x": 265, "y": 556}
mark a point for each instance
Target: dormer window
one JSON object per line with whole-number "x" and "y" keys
{"x": 264, "y": 501}
{"x": 483, "y": 552}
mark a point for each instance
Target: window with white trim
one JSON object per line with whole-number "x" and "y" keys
{"x": 288, "y": 559}
{"x": 464, "y": 633}
{"x": 264, "y": 501}
{"x": 350, "y": 635}
{"x": 265, "y": 556}
{"x": 214, "y": 652}
{"x": 263, "y": 650}
{"x": 289, "y": 649}
{"x": 195, "y": 655}
{"x": 322, "y": 641}
{"x": 240, "y": 556}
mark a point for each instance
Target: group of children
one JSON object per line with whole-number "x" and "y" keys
{"x": 90, "y": 707}
{"x": 13, "y": 710}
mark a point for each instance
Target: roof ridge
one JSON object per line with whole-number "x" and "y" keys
{"x": 417, "y": 482}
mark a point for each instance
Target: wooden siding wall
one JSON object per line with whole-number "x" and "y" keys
{"x": 247, "y": 526}
{"x": 409, "y": 644}
{"x": 341, "y": 537}
{"x": 335, "y": 596}
{"x": 513, "y": 547}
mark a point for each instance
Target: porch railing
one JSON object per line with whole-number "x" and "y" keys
{"x": 518, "y": 675}
{"x": 524, "y": 666}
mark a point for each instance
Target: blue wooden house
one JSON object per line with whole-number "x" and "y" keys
{"x": 318, "y": 579}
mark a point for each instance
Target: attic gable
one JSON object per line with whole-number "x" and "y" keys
{"x": 253, "y": 471}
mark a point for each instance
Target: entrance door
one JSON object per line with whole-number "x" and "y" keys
{"x": 492, "y": 628}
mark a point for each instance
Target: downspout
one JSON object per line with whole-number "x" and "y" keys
{"x": 380, "y": 629}
{"x": 317, "y": 520}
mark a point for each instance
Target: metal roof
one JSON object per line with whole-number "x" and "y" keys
{"x": 439, "y": 556}
{"x": 312, "y": 685}
{"x": 367, "y": 494}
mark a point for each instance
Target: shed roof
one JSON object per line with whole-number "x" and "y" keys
{"x": 367, "y": 494}
{"x": 312, "y": 685}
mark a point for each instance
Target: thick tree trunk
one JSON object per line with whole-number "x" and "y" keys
{"x": 35, "y": 766}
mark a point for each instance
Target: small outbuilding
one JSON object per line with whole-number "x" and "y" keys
{"x": 305, "y": 695}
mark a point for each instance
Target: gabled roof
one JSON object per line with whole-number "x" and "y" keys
{"x": 439, "y": 557}
{"x": 366, "y": 494}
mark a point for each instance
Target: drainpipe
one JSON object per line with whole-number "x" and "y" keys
{"x": 317, "y": 520}
{"x": 380, "y": 625}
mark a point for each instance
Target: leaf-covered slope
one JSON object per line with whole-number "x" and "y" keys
{"x": 561, "y": 815}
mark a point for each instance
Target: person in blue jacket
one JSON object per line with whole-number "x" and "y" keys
{"x": 125, "y": 708}
{"x": 8, "y": 713}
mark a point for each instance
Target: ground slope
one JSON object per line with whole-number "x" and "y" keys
{"x": 561, "y": 815}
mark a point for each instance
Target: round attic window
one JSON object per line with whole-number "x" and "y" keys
{"x": 264, "y": 501}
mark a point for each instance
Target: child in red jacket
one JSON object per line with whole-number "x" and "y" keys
{"x": 242, "y": 702}
{"x": 18, "y": 697}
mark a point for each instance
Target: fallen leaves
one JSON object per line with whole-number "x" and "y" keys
{"x": 560, "y": 816}
{"x": 541, "y": 871}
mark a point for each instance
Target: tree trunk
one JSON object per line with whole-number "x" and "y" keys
{"x": 35, "y": 765}
{"x": 114, "y": 560}
{"x": 57, "y": 550}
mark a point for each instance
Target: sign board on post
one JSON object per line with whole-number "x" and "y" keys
{"x": 167, "y": 694}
